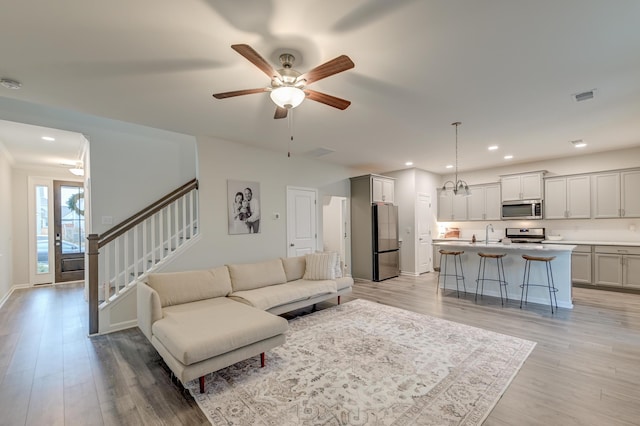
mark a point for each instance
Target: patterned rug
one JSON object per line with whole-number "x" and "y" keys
{"x": 363, "y": 363}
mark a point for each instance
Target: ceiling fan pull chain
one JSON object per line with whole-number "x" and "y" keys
{"x": 290, "y": 124}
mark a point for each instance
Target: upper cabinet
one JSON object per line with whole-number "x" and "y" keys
{"x": 484, "y": 203}
{"x": 615, "y": 194}
{"x": 371, "y": 189}
{"x": 567, "y": 197}
{"x": 630, "y": 195}
{"x": 527, "y": 186}
{"x": 382, "y": 189}
{"x": 452, "y": 208}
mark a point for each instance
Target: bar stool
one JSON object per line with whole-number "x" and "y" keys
{"x": 457, "y": 260}
{"x": 501, "y": 277}
{"x": 550, "y": 284}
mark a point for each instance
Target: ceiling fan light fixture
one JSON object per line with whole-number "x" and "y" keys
{"x": 287, "y": 96}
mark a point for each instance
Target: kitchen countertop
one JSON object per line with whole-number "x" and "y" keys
{"x": 512, "y": 246}
{"x": 595, "y": 243}
{"x": 566, "y": 242}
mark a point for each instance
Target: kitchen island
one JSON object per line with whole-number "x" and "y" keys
{"x": 514, "y": 269}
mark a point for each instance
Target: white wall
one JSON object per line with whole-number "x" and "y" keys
{"x": 220, "y": 160}
{"x": 6, "y": 234}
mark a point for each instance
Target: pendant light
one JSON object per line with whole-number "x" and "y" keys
{"x": 460, "y": 187}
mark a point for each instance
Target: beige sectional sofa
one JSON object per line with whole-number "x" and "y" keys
{"x": 202, "y": 321}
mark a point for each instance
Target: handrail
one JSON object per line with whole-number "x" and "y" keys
{"x": 95, "y": 242}
{"x": 145, "y": 213}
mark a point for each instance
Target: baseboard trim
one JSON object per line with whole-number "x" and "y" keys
{"x": 10, "y": 292}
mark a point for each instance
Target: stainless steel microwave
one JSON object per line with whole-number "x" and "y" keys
{"x": 523, "y": 209}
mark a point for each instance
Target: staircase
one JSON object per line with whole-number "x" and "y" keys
{"x": 122, "y": 256}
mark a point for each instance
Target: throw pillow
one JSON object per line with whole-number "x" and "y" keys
{"x": 320, "y": 266}
{"x": 337, "y": 265}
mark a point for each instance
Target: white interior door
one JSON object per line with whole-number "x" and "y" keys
{"x": 302, "y": 234}
{"x": 424, "y": 217}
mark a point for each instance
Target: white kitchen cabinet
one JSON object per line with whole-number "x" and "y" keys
{"x": 606, "y": 195}
{"x": 631, "y": 272}
{"x": 567, "y": 197}
{"x": 630, "y": 193}
{"x": 452, "y": 208}
{"x": 526, "y": 186}
{"x": 382, "y": 189}
{"x": 617, "y": 266}
{"x": 581, "y": 265}
{"x": 484, "y": 202}
{"x": 615, "y": 194}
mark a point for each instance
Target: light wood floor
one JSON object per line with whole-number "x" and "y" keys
{"x": 585, "y": 369}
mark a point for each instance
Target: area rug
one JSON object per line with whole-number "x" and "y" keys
{"x": 363, "y": 363}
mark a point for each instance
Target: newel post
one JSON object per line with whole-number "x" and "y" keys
{"x": 93, "y": 282}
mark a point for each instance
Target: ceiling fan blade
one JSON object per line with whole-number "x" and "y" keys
{"x": 327, "y": 99}
{"x": 280, "y": 113}
{"x": 334, "y": 66}
{"x": 239, "y": 93}
{"x": 257, "y": 60}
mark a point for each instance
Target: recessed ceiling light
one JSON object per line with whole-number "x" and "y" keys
{"x": 48, "y": 138}
{"x": 493, "y": 147}
{"x": 10, "y": 84}
{"x": 508, "y": 157}
{"x": 449, "y": 166}
{"x": 409, "y": 163}
{"x": 578, "y": 143}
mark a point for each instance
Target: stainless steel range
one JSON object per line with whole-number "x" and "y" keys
{"x": 525, "y": 235}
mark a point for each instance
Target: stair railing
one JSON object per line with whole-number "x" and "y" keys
{"x": 120, "y": 256}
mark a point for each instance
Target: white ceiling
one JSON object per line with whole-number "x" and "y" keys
{"x": 506, "y": 69}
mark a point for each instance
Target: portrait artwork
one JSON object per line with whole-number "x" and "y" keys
{"x": 243, "y": 206}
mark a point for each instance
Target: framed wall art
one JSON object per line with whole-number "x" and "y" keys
{"x": 243, "y": 200}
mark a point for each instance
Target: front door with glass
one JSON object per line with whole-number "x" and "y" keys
{"x": 69, "y": 235}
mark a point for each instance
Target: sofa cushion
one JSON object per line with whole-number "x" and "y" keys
{"x": 320, "y": 266}
{"x": 183, "y": 287}
{"x": 344, "y": 282}
{"x": 281, "y": 294}
{"x": 294, "y": 267}
{"x": 247, "y": 276}
{"x": 196, "y": 331}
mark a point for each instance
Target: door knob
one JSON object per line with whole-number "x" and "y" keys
{"x": 292, "y": 245}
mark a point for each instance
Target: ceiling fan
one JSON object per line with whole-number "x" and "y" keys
{"x": 289, "y": 87}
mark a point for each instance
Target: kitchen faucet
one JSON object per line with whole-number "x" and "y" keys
{"x": 486, "y": 233}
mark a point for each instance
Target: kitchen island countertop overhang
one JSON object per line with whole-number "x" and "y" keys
{"x": 514, "y": 268}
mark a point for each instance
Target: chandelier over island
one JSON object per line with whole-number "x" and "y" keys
{"x": 460, "y": 187}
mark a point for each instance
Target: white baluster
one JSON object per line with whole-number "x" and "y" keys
{"x": 136, "y": 252}
{"x": 153, "y": 240}
{"x": 107, "y": 273}
{"x": 116, "y": 265}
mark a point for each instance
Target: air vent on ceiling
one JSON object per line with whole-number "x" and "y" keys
{"x": 319, "y": 152}
{"x": 583, "y": 96}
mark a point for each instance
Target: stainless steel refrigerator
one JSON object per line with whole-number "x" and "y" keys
{"x": 386, "y": 255}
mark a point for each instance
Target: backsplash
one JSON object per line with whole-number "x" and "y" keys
{"x": 606, "y": 230}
